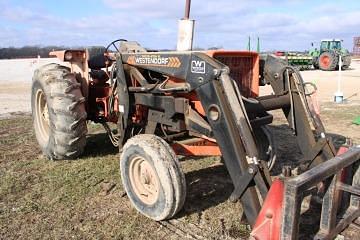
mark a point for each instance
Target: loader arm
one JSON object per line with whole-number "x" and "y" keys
{"x": 286, "y": 81}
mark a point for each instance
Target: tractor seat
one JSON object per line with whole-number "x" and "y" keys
{"x": 99, "y": 75}
{"x": 97, "y": 61}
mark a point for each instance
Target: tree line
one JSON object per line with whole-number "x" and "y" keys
{"x": 43, "y": 52}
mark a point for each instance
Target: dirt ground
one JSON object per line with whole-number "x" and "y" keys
{"x": 84, "y": 198}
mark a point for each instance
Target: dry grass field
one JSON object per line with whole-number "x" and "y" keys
{"x": 84, "y": 198}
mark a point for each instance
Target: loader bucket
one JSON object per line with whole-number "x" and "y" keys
{"x": 340, "y": 176}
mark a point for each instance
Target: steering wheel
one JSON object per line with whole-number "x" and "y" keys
{"x": 113, "y": 44}
{"x": 107, "y": 54}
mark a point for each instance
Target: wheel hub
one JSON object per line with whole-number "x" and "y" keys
{"x": 325, "y": 61}
{"x": 144, "y": 180}
{"x": 45, "y": 114}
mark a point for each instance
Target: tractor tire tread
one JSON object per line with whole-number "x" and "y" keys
{"x": 66, "y": 105}
{"x": 171, "y": 174}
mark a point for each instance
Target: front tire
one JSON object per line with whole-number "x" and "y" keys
{"x": 152, "y": 177}
{"x": 58, "y": 111}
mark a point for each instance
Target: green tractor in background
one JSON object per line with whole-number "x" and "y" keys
{"x": 327, "y": 58}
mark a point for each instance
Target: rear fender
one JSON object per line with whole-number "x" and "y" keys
{"x": 77, "y": 61}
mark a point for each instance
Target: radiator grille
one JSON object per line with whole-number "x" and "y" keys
{"x": 241, "y": 70}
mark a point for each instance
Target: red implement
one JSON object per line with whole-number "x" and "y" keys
{"x": 268, "y": 223}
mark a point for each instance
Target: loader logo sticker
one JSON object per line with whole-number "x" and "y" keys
{"x": 198, "y": 66}
{"x": 154, "y": 60}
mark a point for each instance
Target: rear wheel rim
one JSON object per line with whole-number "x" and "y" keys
{"x": 325, "y": 61}
{"x": 42, "y": 115}
{"x": 144, "y": 180}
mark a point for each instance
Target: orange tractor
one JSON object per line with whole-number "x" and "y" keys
{"x": 197, "y": 103}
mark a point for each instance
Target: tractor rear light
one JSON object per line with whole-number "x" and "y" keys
{"x": 68, "y": 56}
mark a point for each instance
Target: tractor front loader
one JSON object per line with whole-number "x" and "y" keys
{"x": 198, "y": 103}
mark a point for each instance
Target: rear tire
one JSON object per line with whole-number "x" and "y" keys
{"x": 328, "y": 61}
{"x": 152, "y": 177}
{"x": 58, "y": 110}
{"x": 346, "y": 62}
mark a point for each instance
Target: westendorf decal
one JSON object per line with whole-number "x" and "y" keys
{"x": 154, "y": 60}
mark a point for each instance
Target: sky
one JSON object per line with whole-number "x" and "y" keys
{"x": 280, "y": 24}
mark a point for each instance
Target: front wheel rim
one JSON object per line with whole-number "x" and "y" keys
{"x": 144, "y": 180}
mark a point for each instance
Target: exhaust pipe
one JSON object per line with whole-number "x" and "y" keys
{"x": 186, "y": 30}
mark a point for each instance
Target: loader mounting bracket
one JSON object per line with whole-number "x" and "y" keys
{"x": 244, "y": 182}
